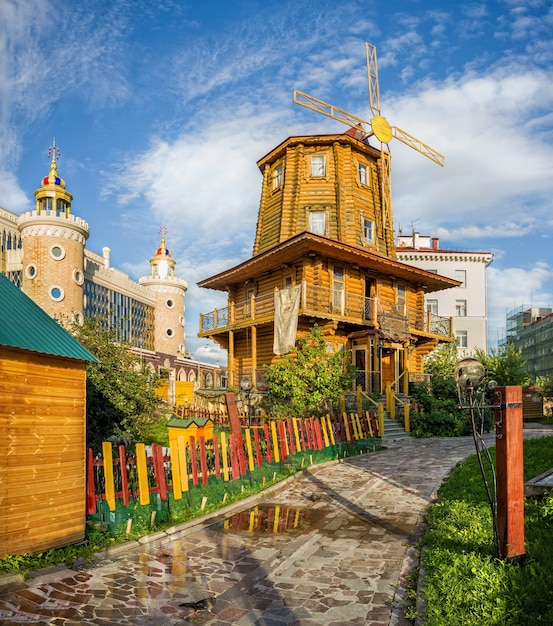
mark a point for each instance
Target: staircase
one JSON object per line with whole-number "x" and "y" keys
{"x": 393, "y": 429}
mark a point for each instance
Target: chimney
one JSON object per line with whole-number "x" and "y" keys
{"x": 435, "y": 243}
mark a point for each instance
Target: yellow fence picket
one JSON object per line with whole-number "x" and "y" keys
{"x": 276, "y": 452}
{"x": 175, "y": 469}
{"x": 108, "y": 474}
{"x": 224, "y": 448}
{"x": 249, "y": 449}
{"x": 142, "y": 472}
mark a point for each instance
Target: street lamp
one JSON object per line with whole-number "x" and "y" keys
{"x": 246, "y": 387}
{"x": 469, "y": 376}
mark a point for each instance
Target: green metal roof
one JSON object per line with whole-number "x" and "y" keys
{"x": 24, "y": 325}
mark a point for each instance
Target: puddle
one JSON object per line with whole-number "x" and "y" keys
{"x": 271, "y": 518}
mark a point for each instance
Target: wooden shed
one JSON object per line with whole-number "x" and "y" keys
{"x": 42, "y": 428}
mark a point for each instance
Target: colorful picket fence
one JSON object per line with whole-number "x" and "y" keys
{"x": 228, "y": 456}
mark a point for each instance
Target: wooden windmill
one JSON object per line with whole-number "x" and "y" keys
{"x": 378, "y": 127}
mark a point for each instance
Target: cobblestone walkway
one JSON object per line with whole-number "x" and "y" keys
{"x": 329, "y": 547}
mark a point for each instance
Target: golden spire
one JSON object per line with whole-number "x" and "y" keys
{"x": 53, "y": 177}
{"x": 162, "y": 264}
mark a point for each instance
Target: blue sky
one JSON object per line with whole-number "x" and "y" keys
{"x": 161, "y": 109}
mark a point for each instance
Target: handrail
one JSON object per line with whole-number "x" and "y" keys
{"x": 391, "y": 399}
{"x": 379, "y": 406}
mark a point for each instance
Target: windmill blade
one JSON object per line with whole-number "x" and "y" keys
{"x": 320, "y": 106}
{"x": 372, "y": 74}
{"x": 386, "y": 193}
{"x": 418, "y": 145}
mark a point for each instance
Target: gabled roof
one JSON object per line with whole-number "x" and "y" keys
{"x": 24, "y": 325}
{"x": 306, "y": 243}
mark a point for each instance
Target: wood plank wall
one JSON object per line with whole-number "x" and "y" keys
{"x": 42, "y": 451}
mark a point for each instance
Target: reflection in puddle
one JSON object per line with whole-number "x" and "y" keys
{"x": 271, "y": 519}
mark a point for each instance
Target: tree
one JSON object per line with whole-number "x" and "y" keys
{"x": 120, "y": 391}
{"x": 504, "y": 365}
{"x": 308, "y": 382}
{"x": 443, "y": 360}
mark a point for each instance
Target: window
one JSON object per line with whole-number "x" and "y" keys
{"x": 78, "y": 277}
{"x": 401, "y": 291}
{"x": 318, "y": 166}
{"x": 57, "y": 294}
{"x": 277, "y": 177}
{"x": 57, "y": 253}
{"x": 461, "y": 338}
{"x": 432, "y": 306}
{"x": 432, "y": 271}
{"x": 338, "y": 283}
{"x": 31, "y": 271}
{"x": 461, "y": 276}
{"x": 368, "y": 231}
{"x": 46, "y": 204}
{"x": 317, "y": 222}
{"x": 169, "y": 303}
{"x": 169, "y": 332}
{"x": 461, "y": 308}
{"x": 363, "y": 174}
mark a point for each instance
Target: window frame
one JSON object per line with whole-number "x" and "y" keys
{"x": 430, "y": 308}
{"x": 464, "y": 334}
{"x": 312, "y": 229}
{"x": 363, "y": 172}
{"x": 278, "y": 175}
{"x": 364, "y": 223}
{"x": 313, "y": 170}
{"x": 461, "y": 276}
{"x": 460, "y": 308}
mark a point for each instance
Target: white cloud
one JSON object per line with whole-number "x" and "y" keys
{"x": 498, "y": 165}
{"x": 204, "y": 185}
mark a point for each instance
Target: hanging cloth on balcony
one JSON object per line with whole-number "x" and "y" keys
{"x": 287, "y": 304}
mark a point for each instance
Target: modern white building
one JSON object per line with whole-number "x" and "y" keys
{"x": 466, "y": 304}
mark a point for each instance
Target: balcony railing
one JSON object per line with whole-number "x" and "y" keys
{"x": 324, "y": 302}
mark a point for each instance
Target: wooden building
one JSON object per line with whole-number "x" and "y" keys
{"x": 42, "y": 428}
{"x": 324, "y": 252}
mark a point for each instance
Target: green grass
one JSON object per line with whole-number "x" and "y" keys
{"x": 464, "y": 583}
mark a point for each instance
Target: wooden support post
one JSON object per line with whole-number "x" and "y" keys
{"x": 510, "y": 471}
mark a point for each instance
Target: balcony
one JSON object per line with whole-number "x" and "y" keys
{"x": 327, "y": 303}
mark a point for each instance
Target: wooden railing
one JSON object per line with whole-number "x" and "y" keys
{"x": 324, "y": 302}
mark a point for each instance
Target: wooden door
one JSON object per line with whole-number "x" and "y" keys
{"x": 388, "y": 367}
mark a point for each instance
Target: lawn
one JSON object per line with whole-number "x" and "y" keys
{"x": 464, "y": 583}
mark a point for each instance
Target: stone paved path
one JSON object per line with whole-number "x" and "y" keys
{"x": 329, "y": 547}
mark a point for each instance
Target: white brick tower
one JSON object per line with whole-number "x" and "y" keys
{"x": 53, "y": 243}
{"x": 169, "y": 309}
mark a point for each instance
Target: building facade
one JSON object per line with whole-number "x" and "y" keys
{"x": 43, "y": 252}
{"x": 466, "y": 304}
{"x": 324, "y": 254}
{"x": 530, "y": 330}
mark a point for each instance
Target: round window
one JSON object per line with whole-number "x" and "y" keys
{"x": 78, "y": 277}
{"x": 170, "y": 304}
{"x": 57, "y": 252}
{"x": 56, "y": 293}
{"x": 31, "y": 271}
{"x": 169, "y": 332}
